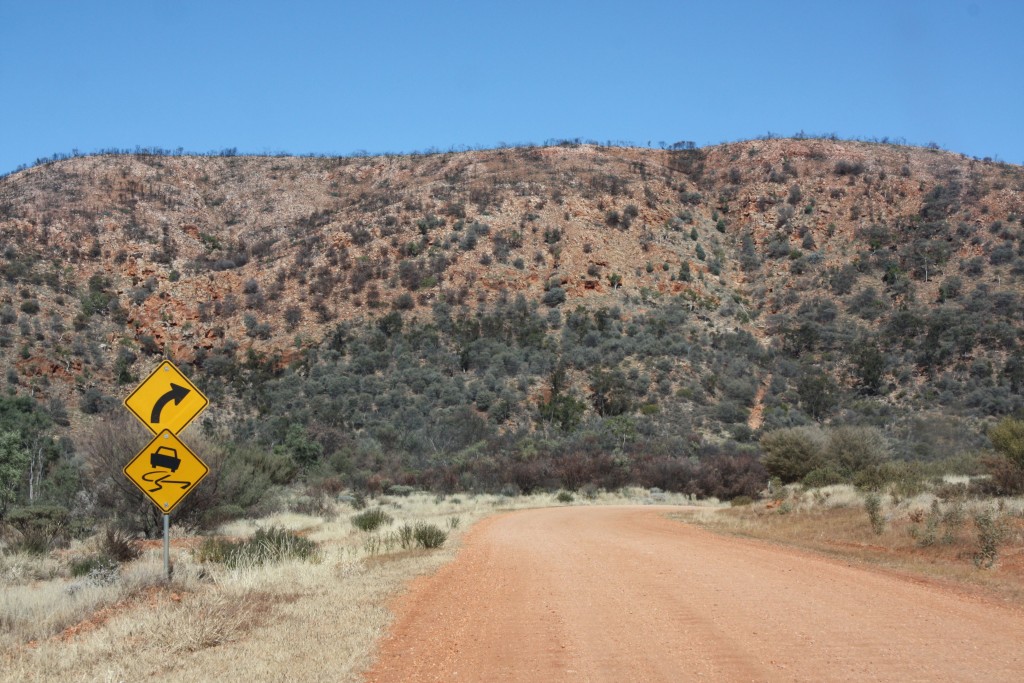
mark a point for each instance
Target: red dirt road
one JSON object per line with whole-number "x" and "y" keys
{"x": 624, "y": 594}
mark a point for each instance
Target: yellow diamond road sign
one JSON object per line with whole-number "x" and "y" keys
{"x": 166, "y": 470}
{"x": 166, "y": 400}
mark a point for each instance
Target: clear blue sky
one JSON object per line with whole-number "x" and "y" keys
{"x": 338, "y": 77}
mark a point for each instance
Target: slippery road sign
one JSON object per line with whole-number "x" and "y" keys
{"x": 166, "y": 470}
{"x": 166, "y": 400}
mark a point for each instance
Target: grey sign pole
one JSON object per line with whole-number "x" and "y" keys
{"x": 167, "y": 547}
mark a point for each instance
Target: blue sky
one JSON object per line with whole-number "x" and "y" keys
{"x": 339, "y": 77}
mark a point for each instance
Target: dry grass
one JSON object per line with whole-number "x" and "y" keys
{"x": 39, "y": 610}
{"x": 20, "y": 568}
{"x": 834, "y": 521}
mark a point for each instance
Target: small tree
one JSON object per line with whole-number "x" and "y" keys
{"x": 1006, "y": 467}
{"x": 869, "y": 365}
{"x": 817, "y": 393}
{"x": 856, "y": 451}
{"x": 14, "y": 460}
{"x": 1007, "y": 437}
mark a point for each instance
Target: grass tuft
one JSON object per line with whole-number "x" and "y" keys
{"x": 267, "y": 546}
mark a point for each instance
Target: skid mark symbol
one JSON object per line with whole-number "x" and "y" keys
{"x": 159, "y": 478}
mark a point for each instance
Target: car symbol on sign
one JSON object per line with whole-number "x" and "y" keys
{"x": 165, "y": 457}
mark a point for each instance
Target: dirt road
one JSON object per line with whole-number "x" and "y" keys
{"x": 625, "y": 594}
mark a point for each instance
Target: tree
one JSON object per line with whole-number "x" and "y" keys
{"x": 14, "y": 459}
{"x": 1013, "y": 371}
{"x": 105, "y": 448}
{"x": 27, "y": 420}
{"x": 302, "y": 449}
{"x": 869, "y": 365}
{"x": 563, "y": 410}
{"x": 817, "y": 393}
{"x": 609, "y": 393}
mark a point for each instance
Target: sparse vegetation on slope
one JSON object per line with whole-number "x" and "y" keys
{"x": 520, "y": 319}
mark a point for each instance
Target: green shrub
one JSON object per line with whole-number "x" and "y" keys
{"x": 214, "y": 549}
{"x": 266, "y": 546}
{"x": 554, "y": 297}
{"x": 926, "y": 536}
{"x": 1008, "y": 439}
{"x": 791, "y": 454}
{"x": 565, "y": 497}
{"x": 214, "y": 517}
{"x": 992, "y": 531}
{"x": 821, "y": 477}
{"x": 400, "y": 490}
{"x": 14, "y": 459}
{"x": 92, "y": 564}
{"x": 853, "y": 450}
{"x": 1008, "y": 468}
{"x": 950, "y": 520}
{"x": 429, "y": 535}
{"x": 873, "y": 506}
{"x": 741, "y": 501}
{"x": 371, "y": 520}
{"x": 40, "y": 528}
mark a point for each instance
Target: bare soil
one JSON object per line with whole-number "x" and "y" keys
{"x": 626, "y": 594}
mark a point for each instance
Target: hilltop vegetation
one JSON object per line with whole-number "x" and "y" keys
{"x": 516, "y": 319}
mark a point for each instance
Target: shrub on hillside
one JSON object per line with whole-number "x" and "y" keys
{"x": 847, "y": 167}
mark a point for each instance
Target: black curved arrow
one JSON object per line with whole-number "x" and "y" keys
{"x": 175, "y": 394}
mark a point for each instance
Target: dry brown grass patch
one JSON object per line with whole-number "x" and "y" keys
{"x": 836, "y": 523}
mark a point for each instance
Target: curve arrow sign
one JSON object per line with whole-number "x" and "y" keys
{"x": 176, "y": 394}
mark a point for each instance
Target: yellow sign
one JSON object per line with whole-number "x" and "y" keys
{"x": 166, "y": 400}
{"x": 166, "y": 471}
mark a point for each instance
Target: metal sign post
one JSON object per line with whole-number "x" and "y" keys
{"x": 167, "y": 547}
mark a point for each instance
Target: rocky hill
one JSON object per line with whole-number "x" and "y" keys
{"x": 405, "y": 310}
